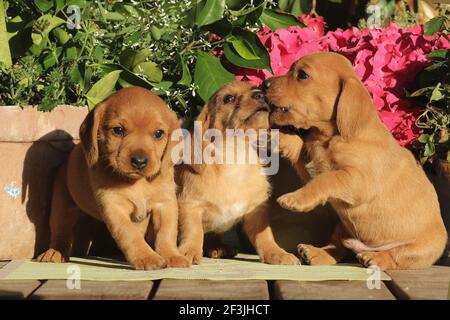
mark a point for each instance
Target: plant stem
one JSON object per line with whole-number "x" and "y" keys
{"x": 5, "y": 53}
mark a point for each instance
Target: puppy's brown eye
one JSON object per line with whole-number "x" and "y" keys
{"x": 228, "y": 98}
{"x": 119, "y": 131}
{"x": 302, "y": 75}
{"x": 158, "y": 134}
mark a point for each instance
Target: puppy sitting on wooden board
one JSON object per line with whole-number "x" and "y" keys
{"x": 122, "y": 174}
{"x": 214, "y": 197}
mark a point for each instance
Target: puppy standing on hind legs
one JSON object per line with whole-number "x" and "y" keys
{"x": 388, "y": 209}
{"x": 122, "y": 174}
{"x": 214, "y": 197}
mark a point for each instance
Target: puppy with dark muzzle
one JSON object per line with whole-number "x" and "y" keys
{"x": 214, "y": 197}
{"x": 388, "y": 209}
{"x": 121, "y": 173}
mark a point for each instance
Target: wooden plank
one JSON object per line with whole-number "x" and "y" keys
{"x": 432, "y": 283}
{"x": 17, "y": 289}
{"x": 328, "y": 290}
{"x": 95, "y": 290}
{"x": 171, "y": 289}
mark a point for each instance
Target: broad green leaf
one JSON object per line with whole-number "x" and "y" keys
{"x": 429, "y": 149}
{"x": 243, "y": 48}
{"x": 438, "y": 54}
{"x": 130, "y": 58}
{"x": 248, "y": 8}
{"x": 236, "y": 4}
{"x": 222, "y": 27}
{"x": 51, "y": 59}
{"x": 433, "y": 26}
{"x": 50, "y": 23}
{"x": 61, "y": 35}
{"x": 113, "y": 16}
{"x": 211, "y": 12}
{"x": 186, "y": 78}
{"x": 5, "y": 53}
{"x": 448, "y": 156}
{"x": 43, "y": 5}
{"x": 150, "y": 69}
{"x": 71, "y": 53}
{"x": 102, "y": 88}
{"x": 437, "y": 95}
{"x": 276, "y": 20}
{"x": 162, "y": 87}
{"x": 210, "y": 75}
{"x": 155, "y": 32}
{"x": 423, "y": 138}
{"x": 256, "y": 46}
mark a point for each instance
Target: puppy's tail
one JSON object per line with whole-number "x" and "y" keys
{"x": 357, "y": 246}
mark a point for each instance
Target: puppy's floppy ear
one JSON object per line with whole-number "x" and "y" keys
{"x": 204, "y": 118}
{"x": 174, "y": 124}
{"x": 355, "y": 110}
{"x": 89, "y": 130}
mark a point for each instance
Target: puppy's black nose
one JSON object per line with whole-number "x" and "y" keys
{"x": 266, "y": 84}
{"x": 139, "y": 162}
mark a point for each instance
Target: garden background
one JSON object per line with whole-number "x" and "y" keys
{"x": 78, "y": 52}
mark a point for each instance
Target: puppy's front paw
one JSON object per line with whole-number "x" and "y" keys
{"x": 192, "y": 253}
{"x": 178, "y": 262}
{"x": 149, "y": 262}
{"x": 280, "y": 257}
{"x": 52, "y": 255}
{"x": 297, "y": 201}
{"x": 315, "y": 256}
{"x": 382, "y": 260}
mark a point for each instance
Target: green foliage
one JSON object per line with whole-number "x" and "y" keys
{"x": 433, "y": 94}
{"x": 160, "y": 45}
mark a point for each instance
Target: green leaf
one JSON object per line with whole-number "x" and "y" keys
{"x": 5, "y": 53}
{"x": 243, "y": 48}
{"x": 50, "y": 23}
{"x": 43, "y": 5}
{"x": 448, "y": 156}
{"x": 161, "y": 88}
{"x": 222, "y": 27}
{"x": 186, "y": 78}
{"x": 155, "y": 32}
{"x": 423, "y": 138}
{"x": 433, "y": 26}
{"x": 437, "y": 95}
{"x": 438, "y": 54}
{"x": 130, "y": 58}
{"x": 211, "y": 12}
{"x": 61, "y": 35}
{"x": 210, "y": 75}
{"x": 252, "y": 40}
{"x": 51, "y": 59}
{"x": 420, "y": 92}
{"x": 276, "y": 20}
{"x": 150, "y": 70}
{"x": 248, "y": 8}
{"x": 429, "y": 149}
{"x": 236, "y": 4}
{"x": 102, "y": 88}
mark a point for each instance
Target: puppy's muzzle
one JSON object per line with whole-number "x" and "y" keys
{"x": 139, "y": 161}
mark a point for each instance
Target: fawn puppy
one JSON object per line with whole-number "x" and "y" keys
{"x": 121, "y": 173}
{"x": 388, "y": 209}
{"x": 214, "y": 197}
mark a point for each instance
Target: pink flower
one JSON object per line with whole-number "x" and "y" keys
{"x": 386, "y": 60}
